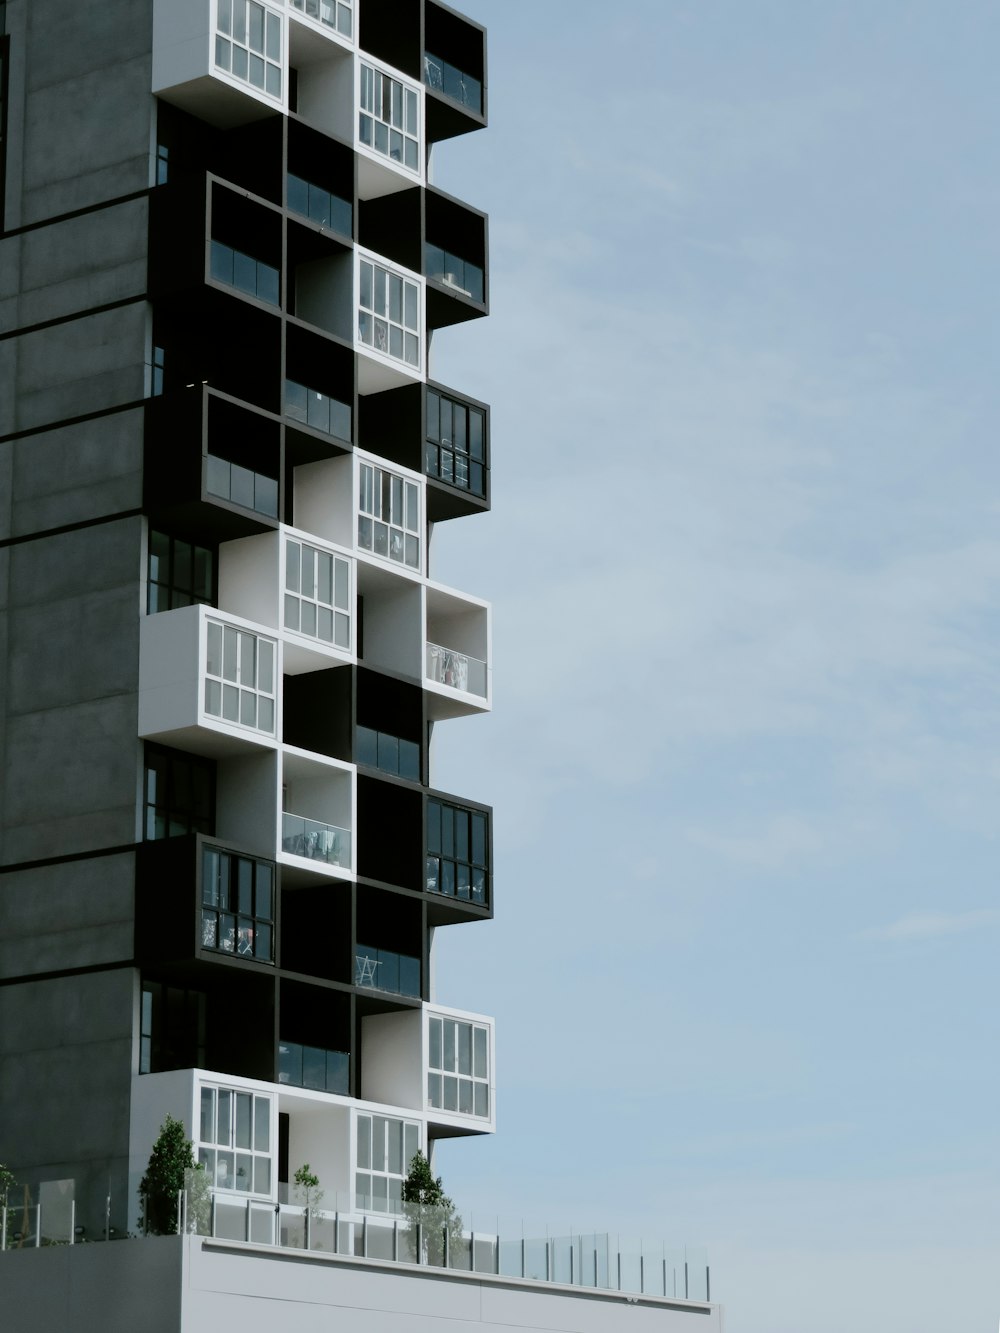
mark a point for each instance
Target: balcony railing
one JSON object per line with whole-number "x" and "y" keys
{"x": 389, "y": 754}
{"x": 319, "y": 205}
{"x": 248, "y": 275}
{"x": 441, "y": 77}
{"x": 457, "y": 670}
{"x": 313, "y": 1067}
{"x": 334, "y": 13}
{"x": 315, "y": 840}
{"x": 317, "y": 410}
{"x": 381, "y": 969}
{"x": 252, "y": 490}
{"x": 460, "y": 275}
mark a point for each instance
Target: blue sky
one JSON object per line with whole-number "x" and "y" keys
{"x": 745, "y": 561}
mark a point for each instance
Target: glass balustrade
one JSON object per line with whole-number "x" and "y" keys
{"x": 459, "y": 274}
{"x": 381, "y": 969}
{"x": 313, "y": 1067}
{"x": 441, "y": 77}
{"x": 457, "y": 670}
{"x": 248, "y": 275}
{"x": 242, "y": 486}
{"x": 319, "y": 205}
{"x": 315, "y": 840}
{"x": 389, "y": 754}
{"x": 317, "y": 410}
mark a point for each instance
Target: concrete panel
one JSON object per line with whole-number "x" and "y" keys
{"x": 121, "y": 1288}
{"x": 75, "y": 473}
{"x": 90, "y": 37}
{"x": 72, "y": 162}
{"x": 62, "y": 653}
{"x": 75, "y": 914}
{"x": 69, "y": 783}
{"x": 6, "y": 494}
{"x": 84, "y": 262}
{"x": 8, "y": 402}
{"x": 74, "y": 564}
{"x": 84, "y": 365}
{"x": 66, "y": 1048}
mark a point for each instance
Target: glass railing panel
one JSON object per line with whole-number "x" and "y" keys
{"x": 313, "y": 1067}
{"x": 388, "y": 753}
{"x": 317, "y": 410}
{"x": 336, "y": 14}
{"x": 457, "y": 670}
{"x": 381, "y": 969}
{"x": 248, "y": 275}
{"x": 252, "y": 490}
{"x": 318, "y": 205}
{"x": 461, "y": 275}
{"x": 315, "y": 840}
{"x": 442, "y": 77}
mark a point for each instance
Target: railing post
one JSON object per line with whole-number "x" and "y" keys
{"x": 420, "y": 1242}
{"x": 336, "y": 1231}
{"x": 642, "y": 1272}
{"x": 3, "y": 1229}
{"x": 308, "y": 1228}
{"x": 107, "y": 1218}
{"x": 446, "y": 1248}
{"x": 685, "y": 1279}
{"x": 472, "y": 1251}
{"x": 248, "y": 1225}
{"x": 364, "y": 1237}
{"x": 708, "y": 1284}
{"x": 211, "y": 1217}
{"x": 72, "y": 1221}
{"x": 38, "y": 1226}
{"x": 572, "y": 1251}
{"x": 395, "y": 1240}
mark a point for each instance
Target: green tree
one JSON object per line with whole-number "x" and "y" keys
{"x": 7, "y": 1186}
{"x": 433, "y": 1221}
{"x": 171, "y": 1158}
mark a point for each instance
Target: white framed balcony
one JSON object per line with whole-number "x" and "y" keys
{"x": 332, "y": 18}
{"x": 298, "y": 585}
{"x": 389, "y": 133}
{"x": 436, "y": 1061}
{"x": 324, "y": 57}
{"x": 316, "y": 819}
{"x": 225, "y": 61}
{"x": 389, "y": 328}
{"x": 208, "y": 682}
{"x": 458, "y": 666}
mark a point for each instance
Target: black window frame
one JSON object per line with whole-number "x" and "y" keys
{"x": 435, "y": 447}
{"x": 445, "y": 858}
{"x": 243, "y": 928}
{"x": 185, "y": 814}
{"x": 179, "y": 593}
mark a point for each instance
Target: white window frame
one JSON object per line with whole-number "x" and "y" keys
{"x": 311, "y": 607}
{"x": 239, "y": 673}
{"x": 399, "y": 125}
{"x": 401, "y": 536}
{"x": 410, "y": 1130}
{"x": 378, "y": 284}
{"x": 317, "y": 10}
{"x": 219, "y": 1153}
{"x": 232, "y": 33}
{"x": 446, "y": 1080}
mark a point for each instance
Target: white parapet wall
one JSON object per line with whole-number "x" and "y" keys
{"x": 191, "y": 1285}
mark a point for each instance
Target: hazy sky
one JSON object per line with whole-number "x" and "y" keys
{"x": 745, "y": 561}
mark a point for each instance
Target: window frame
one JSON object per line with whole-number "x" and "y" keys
{"x": 444, "y": 1069}
{"x": 223, "y": 903}
{"x": 246, "y": 680}
{"x": 228, "y": 37}
{"x": 390, "y": 1177}
{"x": 208, "y": 1149}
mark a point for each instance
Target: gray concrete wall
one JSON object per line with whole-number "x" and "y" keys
{"x": 72, "y": 660}
{"x": 65, "y": 1071}
{"x": 81, "y": 113}
{"x": 124, "y": 1287}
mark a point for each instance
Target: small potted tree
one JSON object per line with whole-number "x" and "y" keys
{"x": 434, "y": 1234}
{"x": 172, "y": 1168}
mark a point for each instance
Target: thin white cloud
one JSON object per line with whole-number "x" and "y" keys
{"x": 930, "y": 925}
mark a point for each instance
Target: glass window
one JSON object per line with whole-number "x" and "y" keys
{"x": 248, "y": 44}
{"x": 248, "y": 275}
{"x": 385, "y": 1148}
{"x": 317, "y": 597}
{"x": 458, "y": 1066}
{"x": 457, "y": 851}
{"x": 179, "y": 794}
{"x": 234, "y": 1140}
{"x": 389, "y": 306}
{"x": 179, "y": 573}
{"x": 385, "y": 496}
{"x": 240, "y": 687}
{"x": 237, "y": 905}
{"x": 456, "y": 443}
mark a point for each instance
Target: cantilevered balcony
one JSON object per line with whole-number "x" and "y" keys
{"x": 317, "y": 817}
{"x": 457, "y": 653}
{"x": 207, "y": 682}
{"x": 454, "y": 73}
